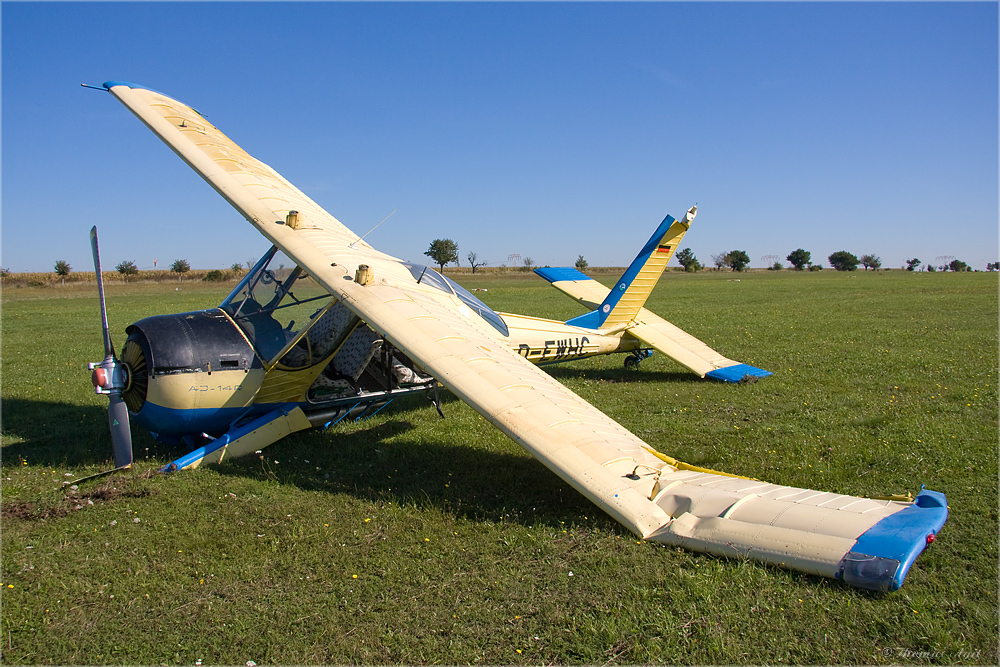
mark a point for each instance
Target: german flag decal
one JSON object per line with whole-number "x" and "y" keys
{"x": 663, "y": 248}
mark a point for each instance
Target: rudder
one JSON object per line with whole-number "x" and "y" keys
{"x": 629, "y": 294}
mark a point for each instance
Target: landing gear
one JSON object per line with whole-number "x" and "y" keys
{"x": 632, "y": 361}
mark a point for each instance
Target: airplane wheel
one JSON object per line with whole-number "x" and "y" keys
{"x": 632, "y": 362}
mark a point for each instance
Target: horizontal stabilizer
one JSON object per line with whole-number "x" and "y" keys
{"x": 737, "y": 373}
{"x": 685, "y": 349}
{"x": 561, "y": 273}
{"x": 581, "y": 287}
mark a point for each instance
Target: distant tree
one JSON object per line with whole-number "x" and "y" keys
{"x": 581, "y": 264}
{"x": 719, "y": 260}
{"x": 214, "y": 276}
{"x": 931, "y": 269}
{"x": 443, "y": 251}
{"x": 958, "y": 265}
{"x": 912, "y": 264}
{"x": 776, "y": 267}
{"x": 993, "y": 266}
{"x": 127, "y": 268}
{"x": 529, "y": 264}
{"x": 871, "y": 262}
{"x": 737, "y": 260}
{"x": 843, "y": 261}
{"x": 237, "y": 269}
{"x": 180, "y": 267}
{"x": 4, "y": 273}
{"x": 472, "y": 257}
{"x": 799, "y": 258}
{"x": 62, "y": 270}
{"x": 815, "y": 267}
{"x": 687, "y": 259}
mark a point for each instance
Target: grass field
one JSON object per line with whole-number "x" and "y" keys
{"x": 412, "y": 539}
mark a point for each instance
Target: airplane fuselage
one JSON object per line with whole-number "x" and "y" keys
{"x": 543, "y": 341}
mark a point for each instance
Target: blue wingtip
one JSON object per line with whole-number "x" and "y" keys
{"x": 882, "y": 555}
{"x": 558, "y": 274}
{"x": 737, "y": 373}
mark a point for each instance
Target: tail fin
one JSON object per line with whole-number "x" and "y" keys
{"x": 629, "y": 294}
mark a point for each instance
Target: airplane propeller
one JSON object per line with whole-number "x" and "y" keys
{"x": 112, "y": 377}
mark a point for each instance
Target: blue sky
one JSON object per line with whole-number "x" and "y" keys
{"x": 546, "y": 130}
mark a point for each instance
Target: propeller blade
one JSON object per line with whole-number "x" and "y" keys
{"x": 121, "y": 435}
{"x": 109, "y": 349}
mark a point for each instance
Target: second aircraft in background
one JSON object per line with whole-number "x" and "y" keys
{"x": 617, "y": 321}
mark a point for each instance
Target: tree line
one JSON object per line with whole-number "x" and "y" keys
{"x": 445, "y": 251}
{"x": 801, "y": 260}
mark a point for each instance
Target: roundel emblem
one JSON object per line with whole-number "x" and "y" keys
{"x": 606, "y": 308}
{"x": 622, "y": 287}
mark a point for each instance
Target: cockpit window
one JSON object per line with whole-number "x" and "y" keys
{"x": 273, "y": 304}
{"x": 428, "y": 276}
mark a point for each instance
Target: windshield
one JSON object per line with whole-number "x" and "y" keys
{"x": 274, "y": 304}
{"x": 428, "y": 276}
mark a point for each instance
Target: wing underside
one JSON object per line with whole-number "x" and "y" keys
{"x": 653, "y": 495}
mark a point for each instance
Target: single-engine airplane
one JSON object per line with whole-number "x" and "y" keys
{"x": 347, "y": 328}
{"x": 617, "y": 321}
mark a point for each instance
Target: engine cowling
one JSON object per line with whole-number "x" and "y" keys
{"x": 189, "y": 373}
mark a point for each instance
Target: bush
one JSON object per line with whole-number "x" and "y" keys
{"x": 62, "y": 269}
{"x": 843, "y": 261}
{"x": 799, "y": 258}
{"x": 815, "y": 267}
{"x": 214, "y": 276}
{"x": 127, "y": 268}
{"x": 687, "y": 259}
{"x": 737, "y": 260}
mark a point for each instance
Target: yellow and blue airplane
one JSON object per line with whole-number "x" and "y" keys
{"x": 325, "y": 326}
{"x": 618, "y": 321}
{"x": 268, "y": 348}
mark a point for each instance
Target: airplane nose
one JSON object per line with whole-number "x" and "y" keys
{"x": 100, "y": 378}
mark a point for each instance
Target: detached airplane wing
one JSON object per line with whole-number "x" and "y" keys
{"x": 868, "y": 543}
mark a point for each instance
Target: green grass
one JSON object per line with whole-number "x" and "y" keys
{"x": 463, "y": 546}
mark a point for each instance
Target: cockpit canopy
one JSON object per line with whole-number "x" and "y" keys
{"x": 428, "y": 276}
{"x": 276, "y": 302}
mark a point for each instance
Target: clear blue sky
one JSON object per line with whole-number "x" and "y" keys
{"x": 547, "y": 130}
